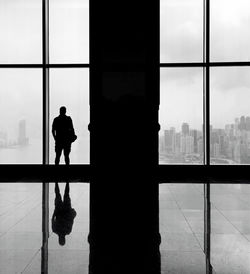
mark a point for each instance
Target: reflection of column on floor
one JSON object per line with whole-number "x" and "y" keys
{"x": 207, "y": 227}
{"x": 45, "y": 228}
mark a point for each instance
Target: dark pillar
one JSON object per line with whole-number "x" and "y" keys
{"x": 124, "y": 90}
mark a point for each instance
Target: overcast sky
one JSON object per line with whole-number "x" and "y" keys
{"x": 181, "y": 41}
{"x": 20, "y": 42}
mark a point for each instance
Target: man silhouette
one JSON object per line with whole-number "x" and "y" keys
{"x": 63, "y": 216}
{"x": 62, "y": 131}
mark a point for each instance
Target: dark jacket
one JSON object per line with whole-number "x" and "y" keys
{"x": 63, "y": 128}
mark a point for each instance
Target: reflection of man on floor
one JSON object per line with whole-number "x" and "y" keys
{"x": 64, "y": 214}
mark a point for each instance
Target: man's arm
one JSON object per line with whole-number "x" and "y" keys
{"x": 71, "y": 126}
{"x": 54, "y": 130}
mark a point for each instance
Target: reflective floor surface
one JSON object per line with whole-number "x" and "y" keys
{"x": 181, "y": 226}
{"x": 21, "y": 230}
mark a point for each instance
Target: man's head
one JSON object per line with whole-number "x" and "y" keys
{"x": 62, "y": 110}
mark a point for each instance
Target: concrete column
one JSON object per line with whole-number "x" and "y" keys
{"x": 124, "y": 91}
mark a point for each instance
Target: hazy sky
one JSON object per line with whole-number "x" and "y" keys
{"x": 181, "y": 41}
{"x": 20, "y": 42}
{"x": 21, "y": 31}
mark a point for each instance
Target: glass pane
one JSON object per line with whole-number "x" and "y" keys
{"x": 20, "y": 225}
{"x": 69, "y": 31}
{"x": 230, "y": 30}
{"x": 70, "y": 88}
{"x": 21, "y": 31}
{"x": 182, "y": 228}
{"x": 181, "y": 116}
{"x": 230, "y": 115}
{"x": 230, "y": 246}
{"x": 181, "y": 30}
{"x": 21, "y": 116}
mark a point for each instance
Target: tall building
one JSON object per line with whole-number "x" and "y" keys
{"x": 185, "y": 129}
{"x": 200, "y": 146}
{"x": 216, "y": 150}
{"x": 178, "y": 143}
{"x": 22, "y": 138}
{"x": 194, "y": 134}
{"x": 3, "y": 138}
{"x": 169, "y": 140}
{"x": 248, "y": 123}
{"x": 242, "y": 125}
{"x": 187, "y": 144}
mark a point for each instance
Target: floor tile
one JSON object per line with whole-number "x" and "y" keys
{"x": 183, "y": 262}
{"x": 179, "y": 242}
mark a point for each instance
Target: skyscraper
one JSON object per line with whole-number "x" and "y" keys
{"x": 194, "y": 134}
{"x": 169, "y": 138}
{"x": 248, "y": 123}
{"x": 185, "y": 129}
{"x": 187, "y": 144}
{"x": 22, "y": 139}
{"x": 242, "y": 125}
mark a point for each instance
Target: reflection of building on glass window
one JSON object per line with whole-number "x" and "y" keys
{"x": 64, "y": 134}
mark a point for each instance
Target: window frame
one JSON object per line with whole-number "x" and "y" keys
{"x": 45, "y": 66}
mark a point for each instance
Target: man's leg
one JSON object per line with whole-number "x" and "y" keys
{"x": 66, "y": 197}
{"x": 58, "y": 150}
{"x": 58, "y": 198}
{"x": 66, "y": 152}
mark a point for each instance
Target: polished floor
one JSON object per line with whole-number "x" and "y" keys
{"x": 21, "y": 230}
{"x": 181, "y": 226}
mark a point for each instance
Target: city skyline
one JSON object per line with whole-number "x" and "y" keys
{"x": 21, "y": 138}
{"x": 200, "y": 128}
{"x": 228, "y": 145}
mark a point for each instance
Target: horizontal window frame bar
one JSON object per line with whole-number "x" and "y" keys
{"x": 128, "y": 66}
{"x": 205, "y": 64}
{"x": 200, "y": 174}
{"x": 44, "y": 66}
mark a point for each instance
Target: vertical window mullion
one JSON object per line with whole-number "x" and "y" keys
{"x": 45, "y": 49}
{"x": 206, "y": 116}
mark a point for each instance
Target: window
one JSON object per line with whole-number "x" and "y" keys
{"x": 204, "y": 66}
{"x": 44, "y": 64}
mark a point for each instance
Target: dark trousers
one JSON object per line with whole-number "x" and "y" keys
{"x": 66, "y": 148}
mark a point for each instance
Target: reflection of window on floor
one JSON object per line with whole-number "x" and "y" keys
{"x": 182, "y": 228}
{"x": 22, "y": 237}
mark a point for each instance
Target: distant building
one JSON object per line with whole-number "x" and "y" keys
{"x": 187, "y": 144}
{"x": 248, "y": 123}
{"x": 185, "y": 129}
{"x": 169, "y": 140}
{"x": 177, "y": 143}
{"x": 216, "y": 150}
{"x": 194, "y": 134}
{"x": 3, "y": 139}
{"x": 242, "y": 125}
{"x": 22, "y": 138}
{"x": 200, "y": 146}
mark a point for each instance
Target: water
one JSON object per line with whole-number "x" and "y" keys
{"x": 32, "y": 153}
